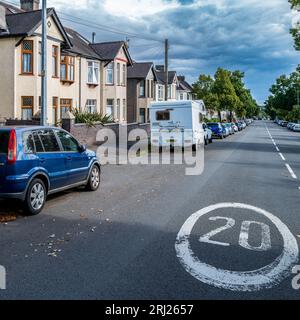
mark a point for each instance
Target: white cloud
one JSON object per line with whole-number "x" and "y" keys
{"x": 138, "y": 8}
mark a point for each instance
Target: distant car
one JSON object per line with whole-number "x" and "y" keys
{"x": 38, "y": 161}
{"x": 296, "y": 128}
{"x": 234, "y": 126}
{"x": 229, "y": 128}
{"x": 284, "y": 123}
{"x": 217, "y": 129}
{"x": 207, "y": 134}
{"x": 226, "y": 130}
{"x": 243, "y": 123}
{"x": 240, "y": 126}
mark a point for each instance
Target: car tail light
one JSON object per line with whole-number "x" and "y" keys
{"x": 12, "y": 148}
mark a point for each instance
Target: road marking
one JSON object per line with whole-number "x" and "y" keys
{"x": 292, "y": 173}
{"x": 263, "y": 278}
{"x": 282, "y": 157}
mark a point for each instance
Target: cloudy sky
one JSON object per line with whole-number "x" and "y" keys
{"x": 250, "y": 35}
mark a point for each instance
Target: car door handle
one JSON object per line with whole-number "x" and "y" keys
{"x": 69, "y": 158}
{"x": 42, "y": 160}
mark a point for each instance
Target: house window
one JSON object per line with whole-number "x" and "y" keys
{"x": 110, "y": 107}
{"x": 142, "y": 88}
{"x": 110, "y": 73}
{"x": 91, "y": 106}
{"x": 181, "y": 96}
{"x": 27, "y": 108}
{"x": 148, "y": 88}
{"x": 40, "y": 62}
{"x": 54, "y": 110}
{"x": 93, "y": 72}
{"x": 169, "y": 92}
{"x": 67, "y": 68}
{"x": 65, "y": 106}
{"x": 27, "y": 57}
{"x": 118, "y": 74}
{"x": 124, "y": 75}
{"x": 54, "y": 61}
{"x": 142, "y": 115}
{"x": 124, "y": 110}
{"x": 160, "y": 92}
{"x": 119, "y": 109}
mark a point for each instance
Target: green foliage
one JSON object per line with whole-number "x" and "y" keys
{"x": 295, "y": 31}
{"x": 284, "y": 95}
{"x": 226, "y": 92}
{"x": 91, "y": 118}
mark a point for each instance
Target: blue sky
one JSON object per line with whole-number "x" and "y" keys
{"x": 250, "y": 35}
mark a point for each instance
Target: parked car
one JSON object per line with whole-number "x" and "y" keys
{"x": 296, "y": 128}
{"x": 38, "y": 161}
{"x": 284, "y": 123}
{"x": 207, "y": 134}
{"x": 217, "y": 129}
{"x": 234, "y": 126}
{"x": 226, "y": 131}
{"x": 229, "y": 128}
{"x": 240, "y": 126}
{"x": 243, "y": 124}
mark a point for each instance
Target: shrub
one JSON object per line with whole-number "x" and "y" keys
{"x": 91, "y": 118}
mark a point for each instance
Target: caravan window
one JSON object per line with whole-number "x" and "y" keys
{"x": 200, "y": 118}
{"x": 163, "y": 115}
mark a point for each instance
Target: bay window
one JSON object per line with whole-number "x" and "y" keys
{"x": 27, "y": 108}
{"x": 118, "y": 74}
{"x": 124, "y": 75}
{"x": 27, "y": 57}
{"x": 54, "y": 61}
{"x": 93, "y": 72}
{"x": 67, "y": 68}
{"x": 110, "y": 73}
{"x": 142, "y": 88}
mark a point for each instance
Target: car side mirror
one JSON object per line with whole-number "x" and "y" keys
{"x": 82, "y": 148}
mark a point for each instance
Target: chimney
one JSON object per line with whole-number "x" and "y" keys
{"x": 30, "y": 5}
{"x": 93, "y": 37}
{"x": 3, "y": 25}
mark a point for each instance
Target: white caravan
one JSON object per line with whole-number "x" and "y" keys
{"x": 176, "y": 124}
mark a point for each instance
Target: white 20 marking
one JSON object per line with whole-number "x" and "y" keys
{"x": 244, "y": 234}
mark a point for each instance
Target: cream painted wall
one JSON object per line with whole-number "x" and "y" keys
{"x": 116, "y": 91}
{"x": 7, "y": 79}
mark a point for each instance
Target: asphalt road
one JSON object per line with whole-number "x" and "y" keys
{"x": 119, "y": 243}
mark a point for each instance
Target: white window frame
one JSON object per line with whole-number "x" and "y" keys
{"x": 160, "y": 92}
{"x": 124, "y": 75}
{"x": 110, "y": 106}
{"x": 118, "y": 74}
{"x": 110, "y": 70}
{"x": 91, "y": 105}
{"x": 95, "y": 66}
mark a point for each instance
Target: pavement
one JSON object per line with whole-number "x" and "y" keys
{"x": 139, "y": 236}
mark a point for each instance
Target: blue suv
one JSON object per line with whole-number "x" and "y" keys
{"x": 39, "y": 161}
{"x": 217, "y": 129}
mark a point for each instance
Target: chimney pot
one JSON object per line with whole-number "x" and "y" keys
{"x": 30, "y": 5}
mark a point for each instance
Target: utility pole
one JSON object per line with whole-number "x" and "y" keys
{"x": 166, "y": 68}
{"x": 44, "y": 65}
{"x": 298, "y": 97}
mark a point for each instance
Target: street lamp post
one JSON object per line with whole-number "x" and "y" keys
{"x": 44, "y": 65}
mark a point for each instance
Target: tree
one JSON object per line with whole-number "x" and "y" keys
{"x": 285, "y": 95}
{"x": 225, "y": 91}
{"x": 295, "y": 31}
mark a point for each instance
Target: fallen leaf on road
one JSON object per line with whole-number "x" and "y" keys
{"x": 52, "y": 236}
{"x": 7, "y": 218}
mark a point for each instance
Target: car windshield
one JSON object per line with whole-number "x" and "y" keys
{"x": 213, "y": 124}
{"x": 4, "y": 137}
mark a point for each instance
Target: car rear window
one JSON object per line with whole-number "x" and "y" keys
{"x": 213, "y": 124}
{"x": 4, "y": 137}
{"x": 48, "y": 140}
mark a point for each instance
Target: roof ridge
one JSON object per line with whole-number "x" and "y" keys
{"x": 25, "y": 12}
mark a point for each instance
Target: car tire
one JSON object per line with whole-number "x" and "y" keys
{"x": 94, "y": 179}
{"x": 210, "y": 140}
{"x": 36, "y": 196}
{"x": 206, "y": 141}
{"x": 221, "y": 137}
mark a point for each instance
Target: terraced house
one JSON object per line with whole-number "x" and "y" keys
{"x": 80, "y": 75}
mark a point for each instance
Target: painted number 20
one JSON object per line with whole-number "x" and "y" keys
{"x": 244, "y": 234}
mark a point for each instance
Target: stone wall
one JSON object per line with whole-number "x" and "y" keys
{"x": 87, "y": 135}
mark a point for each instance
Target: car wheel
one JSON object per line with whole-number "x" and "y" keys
{"x": 221, "y": 137}
{"x": 94, "y": 179}
{"x": 210, "y": 140}
{"x": 35, "y": 197}
{"x": 206, "y": 141}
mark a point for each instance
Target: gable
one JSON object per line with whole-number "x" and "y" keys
{"x": 52, "y": 30}
{"x": 122, "y": 55}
